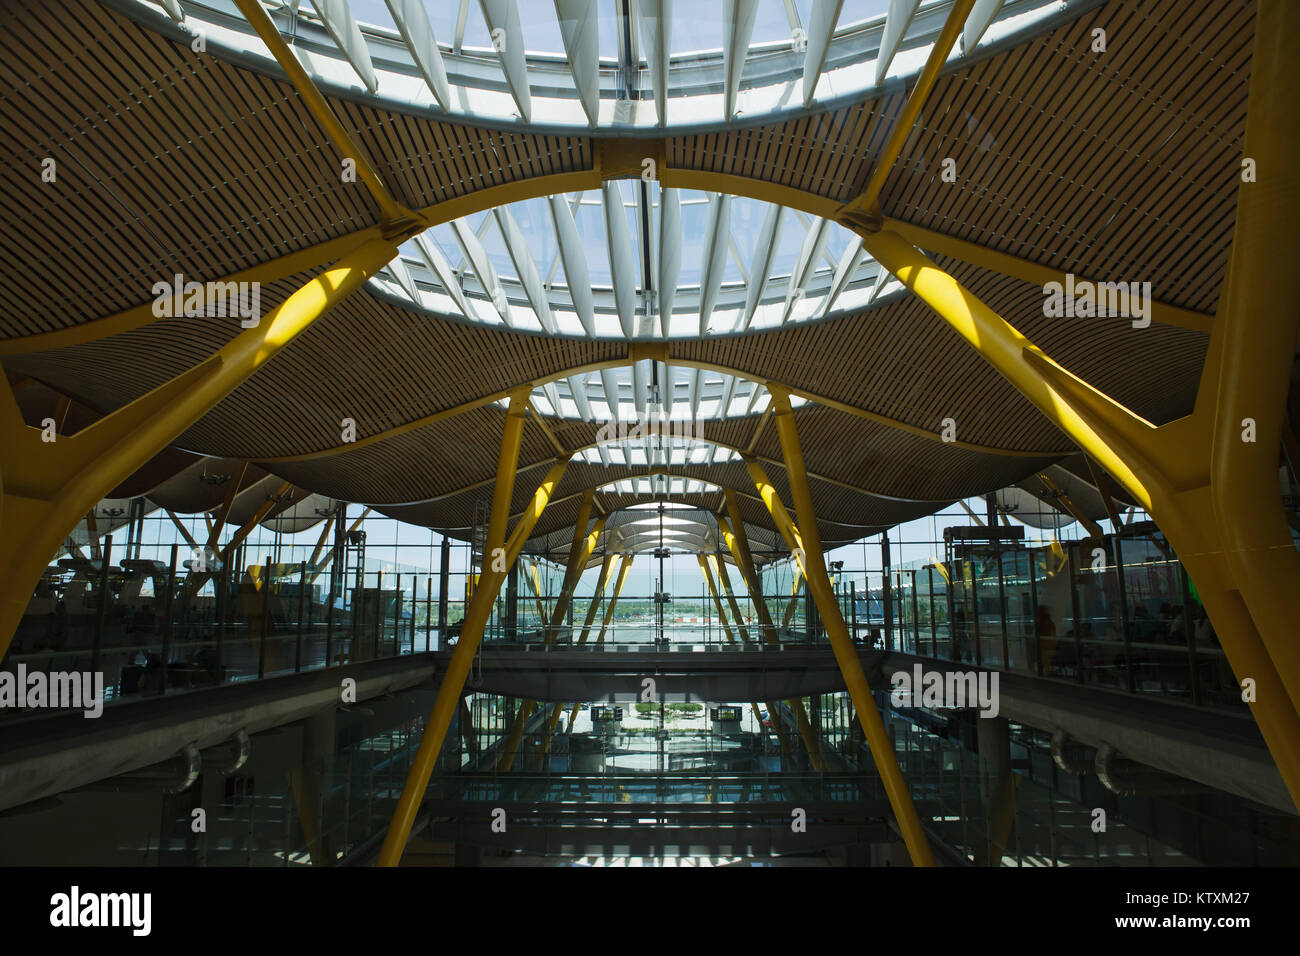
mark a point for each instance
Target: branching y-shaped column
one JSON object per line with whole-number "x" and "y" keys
{"x": 49, "y": 486}
{"x": 1208, "y": 479}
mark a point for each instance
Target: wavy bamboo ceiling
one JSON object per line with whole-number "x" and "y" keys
{"x": 1120, "y": 165}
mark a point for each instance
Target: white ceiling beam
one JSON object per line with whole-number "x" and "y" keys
{"x": 481, "y": 230}
{"x": 693, "y": 393}
{"x": 822, "y": 20}
{"x": 844, "y": 271}
{"x": 336, "y": 16}
{"x": 897, "y": 20}
{"x": 728, "y": 387}
{"x": 737, "y": 28}
{"x": 478, "y": 260}
{"x": 622, "y": 260}
{"x": 792, "y": 16}
{"x": 173, "y": 8}
{"x": 525, "y": 268}
{"x": 578, "y": 390}
{"x": 761, "y": 268}
{"x": 878, "y": 286}
{"x": 417, "y": 33}
{"x": 670, "y": 254}
{"x": 641, "y": 386}
{"x": 806, "y": 266}
{"x": 462, "y": 18}
{"x": 609, "y": 384}
{"x": 552, "y": 393}
{"x": 656, "y": 35}
{"x": 397, "y": 269}
{"x": 741, "y": 265}
{"x": 507, "y": 34}
{"x": 715, "y": 256}
{"x": 440, "y": 267}
{"x": 574, "y": 258}
{"x": 578, "y": 30}
{"x": 981, "y": 15}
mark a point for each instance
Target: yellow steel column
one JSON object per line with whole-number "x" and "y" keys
{"x": 503, "y": 489}
{"x": 779, "y": 729}
{"x": 807, "y": 733}
{"x": 722, "y": 621}
{"x": 794, "y": 599}
{"x": 534, "y": 579}
{"x": 195, "y": 581}
{"x": 624, "y": 567}
{"x": 214, "y": 536}
{"x": 1166, "y": 470}
{"x": 592, "y": 608}
{"x": 623, "y": 571}
{"x": 869, "y": 200}
{"x": 453, "y": 680}
{"x": 393, "y": 211}
{"x": 784, "y": 523}
{"x": 327, "y": 524}
{"x": 580, "y": 551}
{"x": 49, "y": 486}
{"x": 725, "y": 580}
{"x": 334, "y": 552}
{"x": 551, "y": 725}
{"x": 602, "y": 581}
{"x": 717, "y": 603}
{"x": 1258, "y": 314}
{"x": 507, "y": 758}
{"x": 909, "y": 823}
{"x": 713, "y": 592}
{"x": 738, "y": 542}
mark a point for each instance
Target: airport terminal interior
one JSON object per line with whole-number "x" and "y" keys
{"x": 638, "y": 433}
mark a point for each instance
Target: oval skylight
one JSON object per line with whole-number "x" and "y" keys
{"x": 637, "y": 262}
{"x": 647, "y": 393}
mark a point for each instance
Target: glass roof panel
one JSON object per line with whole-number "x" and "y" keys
{"x": 442, "y": 17}
{"x": 495, "y": 245}
{"x": 476, "y": 28}
{"x": 772, "y": 23}
{"x": 375, "y": 12}
{"x": 541, "y": 28}
{"x": 695, "y": 223}
{"x": 860, "y": 11}
{"x": 590, "y": 220}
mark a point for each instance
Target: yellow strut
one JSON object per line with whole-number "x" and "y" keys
{"x": 49, "y": 487}
{"x": 623, "y": 568}
{"x": 733, "y": 533}
{"x": 909, "y": 823}
{"x": 453, "y": 680}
